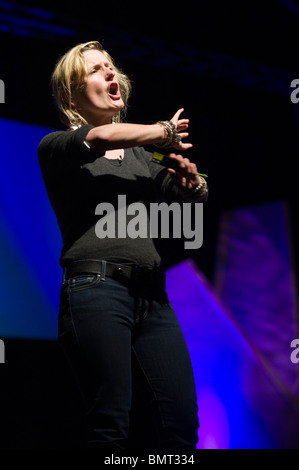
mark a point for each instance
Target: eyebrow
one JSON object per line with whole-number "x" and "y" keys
{"x": 94, "y": 66}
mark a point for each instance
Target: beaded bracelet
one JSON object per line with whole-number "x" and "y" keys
{"x": 201, "y": 188}
{"x": 170, "y": 133}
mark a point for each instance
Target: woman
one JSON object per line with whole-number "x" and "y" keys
{"x": 115, "y": 321}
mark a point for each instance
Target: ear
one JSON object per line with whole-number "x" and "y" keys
{"x": 74, "y": 101}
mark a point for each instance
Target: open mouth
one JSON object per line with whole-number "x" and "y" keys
{"x": 113, "y": 91}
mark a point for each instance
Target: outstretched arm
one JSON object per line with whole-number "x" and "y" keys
{"x": 124, "y": 135}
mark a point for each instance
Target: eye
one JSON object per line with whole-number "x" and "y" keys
{"x": 109, "y": 66}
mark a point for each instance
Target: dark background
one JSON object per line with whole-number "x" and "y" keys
{"x": 229, "y": 64}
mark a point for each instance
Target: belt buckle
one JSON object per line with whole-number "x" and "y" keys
{"x": 119, "y": 274}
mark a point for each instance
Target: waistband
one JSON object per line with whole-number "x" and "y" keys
{"x": 126, "y": 274}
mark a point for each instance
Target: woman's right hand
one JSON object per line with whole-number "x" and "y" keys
{"x": 181, "y": 125}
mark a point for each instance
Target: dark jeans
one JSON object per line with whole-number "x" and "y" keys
{"x": 129, "y": 354}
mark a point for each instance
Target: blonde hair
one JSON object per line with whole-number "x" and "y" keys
{"x": 70, "y": 75}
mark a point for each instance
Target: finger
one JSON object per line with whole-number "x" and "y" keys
{"x": 183, "y": 135}
{"x": 175, "y": 175}
{"x": 180, "y": 160}
{"x": 171, "y": 171}
{"x": 194, "y": 169}
{"x": 181, "y": 127}
{"x": 176, "y": 156}
{"x": 183, "y": 162}
{"x": 183, "y": 123}
{"x": 183, "y": 182}
{"x": 187, "y": 170}
{"x": 182, "y": 146}
{"x": 191, "y": 167}
{"x": 176, "y": 116}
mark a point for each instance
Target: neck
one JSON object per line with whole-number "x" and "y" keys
{"x": 98, "y": 120}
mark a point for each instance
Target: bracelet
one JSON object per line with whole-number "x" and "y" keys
{"x": 170, "y": 134}
{"x": 201, "y": 189}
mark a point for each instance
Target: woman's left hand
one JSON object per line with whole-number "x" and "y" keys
{"x": 186, "y": 177}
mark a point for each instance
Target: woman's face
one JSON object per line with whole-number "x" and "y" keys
{"x": 100, "y": 100}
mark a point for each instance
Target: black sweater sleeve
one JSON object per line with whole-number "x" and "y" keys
{"x": 66, "y": 147}
{"x": 166, "y": 186}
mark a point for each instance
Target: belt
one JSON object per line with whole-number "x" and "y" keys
{"x": 152, "y": 276}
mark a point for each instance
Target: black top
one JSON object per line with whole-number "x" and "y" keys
{"x": 77, "y": 180}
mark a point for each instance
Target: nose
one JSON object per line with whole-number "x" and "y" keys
{"x": 109, "y": 73}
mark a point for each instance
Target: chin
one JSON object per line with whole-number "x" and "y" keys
{"x": 120, "y": 106}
